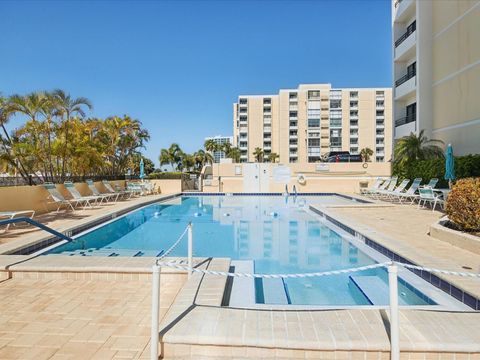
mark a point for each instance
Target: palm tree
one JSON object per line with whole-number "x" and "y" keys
{"x": 67, "y": 107}
{"x": 272, "y": 157}
{"x": 172, "y": 155}
{"x": 165, "y": 158}
{"x": 234, "y": 154}
{"x": 365, "y": 153}
{"x": 411, "y": 148}
{"x": 211, "y": 145}
{"x": 258, "y": 154}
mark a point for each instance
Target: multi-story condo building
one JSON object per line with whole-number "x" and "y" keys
{"x": 436, "y": 70}
{"x": 220, "y": 140}
{"x": 304, "y": 124}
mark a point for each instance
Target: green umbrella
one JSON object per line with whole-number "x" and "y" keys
{"x": 449, "y": 165}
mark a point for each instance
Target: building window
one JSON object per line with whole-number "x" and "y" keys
{"x": 243, "y": 101}
{"x": 313, "y": 123}
{"x": 267, "y": 101}
{"x": 292, "y": 95}
{"x": 293, "y": 114}
{"x": 353, "y": 94}
{"x": 335, "y": 104}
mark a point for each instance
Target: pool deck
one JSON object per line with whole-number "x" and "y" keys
{"x": 60, "y": 307}
{"x": 404, "y": 229}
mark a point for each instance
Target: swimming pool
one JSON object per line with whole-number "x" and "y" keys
{"x": 277, "y": 234}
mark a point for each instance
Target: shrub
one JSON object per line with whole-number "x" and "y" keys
{"x": 165, "y": 175}
{"x": 465, "y": 166}
{"x": 463, "y": 204}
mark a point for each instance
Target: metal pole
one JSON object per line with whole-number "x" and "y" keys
{"x": 154, "y": 340}
{"x": 190, "y": 248}
{"x": 394, "y": 324}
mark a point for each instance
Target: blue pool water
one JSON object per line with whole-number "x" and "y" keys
{"x": 274, "y": 232}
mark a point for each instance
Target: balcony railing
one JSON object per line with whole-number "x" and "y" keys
{"x": 406, "y": 120}
{"x": 405, "y": 78}
{"x": 410, "y": 30}
{"x": 397, "y": 2}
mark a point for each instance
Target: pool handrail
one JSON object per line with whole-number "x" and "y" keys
{"x": 37, "y": 224}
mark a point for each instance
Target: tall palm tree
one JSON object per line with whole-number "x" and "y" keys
{"x": 234, "y": 154}
{"x": 272, "y": 157}
{"x": 165, "y": 158}
{"x": 68, "y": 107}
{"x": 412, "y": 148}
{"x": 258, "y": 154}
{"x": 366, "y": 153}
{"x": 211, "y": 145}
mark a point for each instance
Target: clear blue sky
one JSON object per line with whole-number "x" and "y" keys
{"x": 179, "y": 65}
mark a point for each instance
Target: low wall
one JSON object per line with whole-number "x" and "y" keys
{"x": 332, "y": 177}
{"x": 16, "y": 198}
{"x": 456, "y": 238}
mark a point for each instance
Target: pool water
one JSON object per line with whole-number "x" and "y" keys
{"x": 275, "y": 232}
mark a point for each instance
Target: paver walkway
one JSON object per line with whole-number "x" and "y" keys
{"x": 71, "y": 319}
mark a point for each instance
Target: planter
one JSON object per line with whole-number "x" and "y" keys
{"x": 457, "y": 238}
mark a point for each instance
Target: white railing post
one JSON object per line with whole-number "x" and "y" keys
{"x": 154, "y": 341}
{"x": 394, "y": 325}
{"x": 190, "y": 248}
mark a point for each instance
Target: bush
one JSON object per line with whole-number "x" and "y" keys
{"x": 465, "y": 166}
{"x": 165, "y": 175}
{"x": 463, "y": 204}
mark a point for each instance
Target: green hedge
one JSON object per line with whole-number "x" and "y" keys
{"x": 165, "y": 175}
{"x": 465, "y": 166}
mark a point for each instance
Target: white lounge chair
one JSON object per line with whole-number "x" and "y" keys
{"x": 374, "y": 187}
{"x": 87, "y": 200}
{"x": 382, "y": 186}
{"x": 391, "y": 185}
{"x": 104, "y": 196}
{"x": 431, "y": 184}
{"x": 398, "y": 190}
{"x": 427, "y": 195}
{"x": 58, "y": 199}
{"x": 119, "y": 192}
{"x": 13, "y": 214}
{"x": 411, "y": 193}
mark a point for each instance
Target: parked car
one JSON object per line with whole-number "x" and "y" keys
{"x": 344, "y": 157}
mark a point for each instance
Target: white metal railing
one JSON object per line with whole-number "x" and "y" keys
{"x": 392, "y": 267}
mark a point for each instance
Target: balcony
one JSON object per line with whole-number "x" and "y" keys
{"x": 405, "y": 45}
{"x": 293, "y": 146}
{"x": 405, "y": 9}
{"x": 293, "y": 107}
{"x": 405, "y": 120}
{"x": 410, "y": 30}
{"x": 406, "y": 88}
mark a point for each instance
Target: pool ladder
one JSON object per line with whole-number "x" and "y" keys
{"x": 295, "y": 190}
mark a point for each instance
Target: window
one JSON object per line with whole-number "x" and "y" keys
{"x": 313, "y": 142}
{"x": 267, "y": 108}
{"x": 353, "y": 113}
{"x": 293, "y": 132}
{"x": 313, "y": 123}
{"x": 293, "y": 142}
{"x": 292, "y": 95}
{"x": 314, "y": 94}
{"x": 243, "y": 101}
{"x": 243, "y": 118}
{"x": 353, "y": 94}
{"x": 293, "y": 114}
{"x": 354, "y": 104}
{"x": 335, "y": 104}
{"x": 380, "y": 113}
{"x": 313, "y": 113}
{"x": 313, "y": 134}
{"x": 293, "y": 123}
{"x": 243, "y": 110}
{"x": 267, "y": 101}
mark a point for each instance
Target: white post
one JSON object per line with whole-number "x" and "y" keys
{"x": 190, "y": 248}
{"x": 155, "y": 312}
{"x": 394, "y": 325}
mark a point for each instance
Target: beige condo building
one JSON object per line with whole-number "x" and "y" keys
{"x": 436, "y": 71}
{"x": 302, "y": 125}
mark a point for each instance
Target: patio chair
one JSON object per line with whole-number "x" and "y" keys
{"x": 87, "y": 200}
{"x": 374, "y": 187}
{"x": 431, "y": 184}
{"x": 389, "y": 188}
{"x": 398, "y": 190}
{"x": 104, "y": 196}
{"x": 411, "y": 193}
{"x": 427, "y": 195}
{"x": 59, "y": 199}
{"x": 13, "y": 214}
{"x": 118, "y": 192}
{"x": 383, "y": 186}
{"x": 135, "y": 189}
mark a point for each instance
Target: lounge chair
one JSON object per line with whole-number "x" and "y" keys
{"x": 389, "y": 188}
{"x": 431, "y": 184}
{"x": 135, "y": 189}
{"x": 59, "y": 199}
{"x": 87, "y": 200}
{"x": 398, "y": 190}
{"x": 374, "y": 187}
{"x": 13, "y": 214}
{"x": 427, "y": 195}
{"x": 382, "y": 186}
{"x": 118, "y": 192}
{"x": 411, "y": 193}
{"x": 104, "y": 196}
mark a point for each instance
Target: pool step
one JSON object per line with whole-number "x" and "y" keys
{"x": 274, "y": 291}
{"x": 374, "y": 289}
{"x": 243, "y": 288}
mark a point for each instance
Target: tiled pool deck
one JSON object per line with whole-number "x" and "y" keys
{"x": 99, "y": 308}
